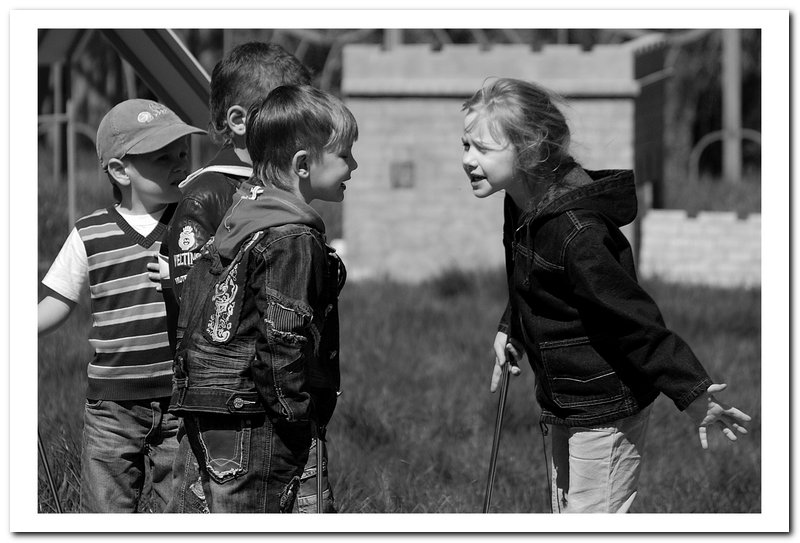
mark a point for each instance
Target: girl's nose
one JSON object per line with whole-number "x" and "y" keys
{"x": 468, "y": 160}
{"x": 353, "y": 163}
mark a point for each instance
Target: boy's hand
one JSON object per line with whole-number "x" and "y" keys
{"x": 505, "y": 350}
{"x": 706, "y": 411}
{"x": 158, "y": 271}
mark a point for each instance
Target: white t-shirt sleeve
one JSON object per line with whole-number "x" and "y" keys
{"x": 69, "y": 273}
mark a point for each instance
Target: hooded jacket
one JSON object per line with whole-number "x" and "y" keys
{"x": 258, "y": 330}
{"x": 596, "y": 341}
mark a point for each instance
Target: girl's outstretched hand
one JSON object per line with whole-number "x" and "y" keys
{"x": 505, "y": 351}
{"x": 707, "y": 411}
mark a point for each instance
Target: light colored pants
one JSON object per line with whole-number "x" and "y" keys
{"x": 595, "y": 469}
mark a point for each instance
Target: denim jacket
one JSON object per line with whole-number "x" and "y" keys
{"x": 258, "y": 330}
{"x": 596, "y": 341}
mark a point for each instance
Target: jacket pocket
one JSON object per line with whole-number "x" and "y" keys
{"x": 224, "y": 443}
{"x": 577, "y": 375}
{"x": 225, "y": 365}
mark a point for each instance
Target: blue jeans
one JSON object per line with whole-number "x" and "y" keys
{"x": 247, "y": 464}
{"x": 127, "y": 455}
{"x": 189, "y": 497}
{"x": 595, "y": 469}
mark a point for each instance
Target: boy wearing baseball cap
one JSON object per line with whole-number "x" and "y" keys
{"x": 143, "y": 148}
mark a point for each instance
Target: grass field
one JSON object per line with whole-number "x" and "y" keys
{"x": 413, "y": 429}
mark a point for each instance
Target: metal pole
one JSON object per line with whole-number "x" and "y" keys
{"x": 320, "y": 505}
{"x": 71, "y": 158}
{"x": 49, "y": 476}
{"x": 58, "y": 107}
{"x": 498, "y": 424}
{"x": 732, "y": 105}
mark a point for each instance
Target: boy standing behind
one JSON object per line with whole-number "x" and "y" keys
{"x": 244, "y": 77}
{"x": 143, "y": 147}
{"x": 257, "y": 363}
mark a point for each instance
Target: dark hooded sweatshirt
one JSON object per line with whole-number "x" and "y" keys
{"x": 596, "y": 341}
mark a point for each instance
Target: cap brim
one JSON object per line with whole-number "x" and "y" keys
{"x": 162, "y": 137}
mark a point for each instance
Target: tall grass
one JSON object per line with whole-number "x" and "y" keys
{"x": 413, "y": 428}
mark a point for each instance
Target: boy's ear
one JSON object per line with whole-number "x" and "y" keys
{"x": 301, "y": 164}
{"x": 236, "y": 118}
{"x": 116, "y": 169}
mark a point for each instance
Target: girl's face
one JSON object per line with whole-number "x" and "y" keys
{"x": 489, "y": 163}
{"x": 329, "y": 173}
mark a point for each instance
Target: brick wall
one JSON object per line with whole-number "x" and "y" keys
{"x": 409, "y": 212}
{"x": 717, "y": 248}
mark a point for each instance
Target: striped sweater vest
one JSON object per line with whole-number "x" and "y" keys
{"x": 132, "y": 359}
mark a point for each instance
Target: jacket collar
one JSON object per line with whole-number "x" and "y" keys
{"x": 256, "y": 208}
{"x": 227, "y": 156}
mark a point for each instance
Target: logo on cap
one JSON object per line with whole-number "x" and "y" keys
{"x": 156, "y": 110}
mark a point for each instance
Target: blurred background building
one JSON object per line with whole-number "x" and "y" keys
{"x": 680, "y": 107}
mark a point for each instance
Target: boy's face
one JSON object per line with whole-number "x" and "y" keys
{"x": 155, "y": 176}
{"x": 329, "y": 173}
{"x": 489, "y": 163}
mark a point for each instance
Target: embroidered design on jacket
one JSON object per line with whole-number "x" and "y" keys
{"x": 219, "y": 325}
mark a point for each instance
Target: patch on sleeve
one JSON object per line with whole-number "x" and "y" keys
{"x": 282, "y": 318}
{"x": 187, "y": 239}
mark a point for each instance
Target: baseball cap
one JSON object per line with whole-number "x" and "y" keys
{"x": 138, "y": 126}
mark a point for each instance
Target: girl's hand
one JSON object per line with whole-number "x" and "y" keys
{"x": 505, "y": 351}
{"x": 706, "y": 411}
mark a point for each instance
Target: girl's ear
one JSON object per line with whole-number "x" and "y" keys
{"x": 116, "y": 169}
{"x": 236, "y": 118}
{"x": 301, "y": 164}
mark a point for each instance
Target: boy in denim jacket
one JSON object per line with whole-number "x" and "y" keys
{"x": 244, "y": 76}
{"x": 257, "y": 361}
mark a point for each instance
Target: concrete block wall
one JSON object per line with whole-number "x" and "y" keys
{"x": 416, "y": 232}
{"x": 605, "y": 70}
{"x": 714, "y": 248}
{"x": 408, "y": 105}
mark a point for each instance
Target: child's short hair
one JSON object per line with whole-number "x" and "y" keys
{"x": 527, "y": 116}
{"x": 292, "y": 118}
{"x": 244, "y": 76}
